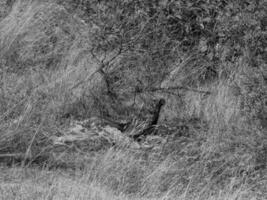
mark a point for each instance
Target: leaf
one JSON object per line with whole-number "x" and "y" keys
{"x": 203, "y": 47}
{"x": 207, "y": 19}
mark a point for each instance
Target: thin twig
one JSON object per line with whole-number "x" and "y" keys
{"x": 165, "y": 89}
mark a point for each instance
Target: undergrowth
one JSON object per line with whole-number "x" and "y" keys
{"x": 51, "y": 57}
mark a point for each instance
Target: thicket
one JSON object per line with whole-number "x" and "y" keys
{"x": 82, "y": 58}
{"x": 140, "y": 45}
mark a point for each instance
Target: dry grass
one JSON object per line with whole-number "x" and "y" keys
{"x": 46, "y": 72}
{"x": 115, "y": 175}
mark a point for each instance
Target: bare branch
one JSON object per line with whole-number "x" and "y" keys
{"x": 160, "y": 89}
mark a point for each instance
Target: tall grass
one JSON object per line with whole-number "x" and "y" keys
{"x": 117, "y": 175}
{"x": 47, "y": 72}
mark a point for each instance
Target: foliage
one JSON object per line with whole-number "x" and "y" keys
{"x": 148, "y": 38}
{"x": 69, "y": 60}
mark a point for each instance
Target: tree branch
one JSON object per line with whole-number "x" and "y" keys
{"x": 167, "y": 89}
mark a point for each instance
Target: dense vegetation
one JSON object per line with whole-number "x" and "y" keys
{"x": 69, "y": 60}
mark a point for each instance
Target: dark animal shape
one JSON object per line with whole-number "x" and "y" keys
{"x": 151, "y": 127}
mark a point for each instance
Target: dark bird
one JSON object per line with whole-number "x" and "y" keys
{"x": 150, "y": 128}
